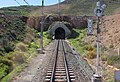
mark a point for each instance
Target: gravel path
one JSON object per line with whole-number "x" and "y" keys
{"x": 35, "y": 72}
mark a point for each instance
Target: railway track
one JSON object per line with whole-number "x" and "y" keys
{"x": 60, "y": 70}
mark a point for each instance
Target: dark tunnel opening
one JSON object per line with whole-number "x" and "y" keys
{"x": 60, "y": 33}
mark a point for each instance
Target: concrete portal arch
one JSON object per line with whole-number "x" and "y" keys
{"x": 59, "y": 30}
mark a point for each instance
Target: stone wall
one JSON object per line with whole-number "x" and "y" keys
{"x": 72, "y": 21}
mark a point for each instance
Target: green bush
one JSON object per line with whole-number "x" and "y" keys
{"x": 104, "y": 58}
{"x": 16, "y": 57}
{"x": 10, "y": 47}
{"x": 4, "y": 70}
{"x": 34, "y": 45}
{"x": 6, "y": 64}
{"x": 111, "y": 60}
{"x": 6, "y": 61}
{"x": 77, "y": 40}
{"x": 1, "y": 53}
{"x": 46, "y": 35}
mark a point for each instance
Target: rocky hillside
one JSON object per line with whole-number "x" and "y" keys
{"x": 12, "y": 28}
{"x": 69, "y": 7}
{"x": 111, "y": 34}
{"x": 18, "y": 43}
{"x": 80, "y": 7}
{"x": 18, "y": 10}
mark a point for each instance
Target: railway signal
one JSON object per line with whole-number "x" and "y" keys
{"x": 98, "y": 11}
{"x": 90, "y": 27}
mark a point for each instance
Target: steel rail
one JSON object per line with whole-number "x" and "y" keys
{"x": 60, "y": 71}
{"x": 54, "y": 66}
{"x": 66, "y": 64}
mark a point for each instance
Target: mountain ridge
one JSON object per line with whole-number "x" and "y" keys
{"x": 68, "y": 7}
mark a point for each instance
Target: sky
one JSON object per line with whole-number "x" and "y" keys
{"x": 7, "y": 3}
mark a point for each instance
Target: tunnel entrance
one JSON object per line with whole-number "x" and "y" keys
{"x": 60, "y": 33}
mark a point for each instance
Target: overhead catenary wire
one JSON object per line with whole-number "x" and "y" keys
{"x": 17, "y": 2}
{"x": 26, "y": 2}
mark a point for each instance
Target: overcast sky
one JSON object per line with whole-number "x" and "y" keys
{"x": 6, "y": 3}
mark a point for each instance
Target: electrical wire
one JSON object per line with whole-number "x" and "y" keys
{"x": 26, "y": 2}
{"x": 17, "y": 2}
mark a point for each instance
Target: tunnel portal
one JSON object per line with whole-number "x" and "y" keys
{"x": 58, "y": 30}
{"x": 59, "y": 33}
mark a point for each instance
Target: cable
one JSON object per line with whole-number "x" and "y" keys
{"x": 17, "y": 2}
{"x": 26, "y": 2}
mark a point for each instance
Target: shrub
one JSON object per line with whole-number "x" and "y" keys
{"x": 117, "y": 65}
{"x": 10, "y": 47}
{"x": 21, "y": 47}
{"x": 7, "y": 62}
{"x": 1, "y": 53}
{"x": 104, "y": 58}
{"x": 46, "y": 35}
{"x": 91, "y": 55}
{"x": 111, "y": 46}
{"x": 34, "y": 45}
{"x": 89, "y": 48}
{"x": 111, "y": 60}
{"x": 3, "y": 70}
{"x": 29, "y": 38}
{"x": 19, "y": 57}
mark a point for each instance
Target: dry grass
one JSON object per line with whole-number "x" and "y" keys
{"x": 111, "y": 36}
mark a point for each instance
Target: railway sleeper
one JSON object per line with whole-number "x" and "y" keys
{"x": 60, "y": 71}
{"x": 61, "y": 68}
{"x": 60, "y": 80}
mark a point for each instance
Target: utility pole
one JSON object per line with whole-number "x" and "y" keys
{"x": 41, "y": 29}
{"x": 59, "y": 7}
{"x": 42, "y": 7}
{"x": 99, "y": 13}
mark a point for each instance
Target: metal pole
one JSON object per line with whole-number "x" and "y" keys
{"x": 96, "y": 77}
{"x": 41, "y": 29}
{"x": 41, "y": 38}
{"x": 59, "y": 7}
{"x": 98, "y": 38}
{"x": 42, "y": 7}
{"x": 100, "y": 58}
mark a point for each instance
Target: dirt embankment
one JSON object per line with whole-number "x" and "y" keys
{"x": 111, "y": 34}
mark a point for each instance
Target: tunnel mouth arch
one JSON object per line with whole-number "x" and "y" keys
{"x": 59, "y": 33}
